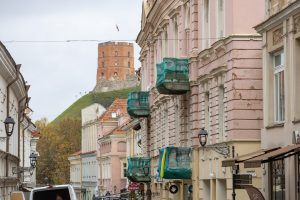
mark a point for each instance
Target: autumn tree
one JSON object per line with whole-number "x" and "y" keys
{"x": 57, "y": 142}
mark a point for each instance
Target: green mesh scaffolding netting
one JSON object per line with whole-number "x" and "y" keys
{"x": 173, "y": 76}
{"x": 135, "y": 172}
{"x": 174, "y": 163}
{"x": 138, "y": 104}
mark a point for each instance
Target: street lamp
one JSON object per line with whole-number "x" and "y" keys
{"x": 33, "y": 160}
{"x": 9, "y": 126}
{"x": 202, "y": 137}
{"x": 221, "y": 148}
{"x": 146, "y": 170}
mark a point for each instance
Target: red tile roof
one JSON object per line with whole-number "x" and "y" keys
{"x": 119, "y": 106}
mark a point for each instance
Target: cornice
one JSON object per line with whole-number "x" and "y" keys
{"x": 278, "y": 18}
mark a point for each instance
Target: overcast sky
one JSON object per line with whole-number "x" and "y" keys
{"x": 60, "y": 72}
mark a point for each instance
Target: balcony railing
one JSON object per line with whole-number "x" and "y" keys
{"x": 138, "y": 104}
{"x": 173, "y": 76}
{"x": 175, "y": 163}
{"x": 136, "y": 171}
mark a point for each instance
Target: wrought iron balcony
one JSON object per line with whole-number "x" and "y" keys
{"x": 138, "y": 104}
{"x": 138, "y": 169}
{"x": 175, "y": 163}
{"x": 173, "y": 76}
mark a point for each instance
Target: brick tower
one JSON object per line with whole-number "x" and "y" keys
{"x": 115, "y": 66}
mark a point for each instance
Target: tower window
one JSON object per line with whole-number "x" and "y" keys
{"x": 116, "y": 53}
{"x": 128, "y": 64}
{"x": 102, "y": 53}
{"x": 128, "y": 54}
{"x": 102, "y": 64}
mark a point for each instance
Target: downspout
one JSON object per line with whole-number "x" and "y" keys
{"x": 23, "y": 134}
{"x": 21, "y": 112}
{"x": 7, "y": 111}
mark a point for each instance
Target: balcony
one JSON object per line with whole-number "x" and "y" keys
{"x": 175, "y": 163}
{"x": 138, "y": 104}
{"x": 135, "y": 172}
{"x": 173, "y": 76}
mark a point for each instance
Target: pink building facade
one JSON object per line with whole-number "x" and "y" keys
{"x": 111, "y": 151}
{"x": 225, "y": 97}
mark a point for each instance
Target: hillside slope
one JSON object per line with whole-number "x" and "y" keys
{"x": 103, "y": 98}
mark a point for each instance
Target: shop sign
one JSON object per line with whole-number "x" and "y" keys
{"x": 133, "y": 186}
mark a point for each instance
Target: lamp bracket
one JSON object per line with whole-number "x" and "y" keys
{"x": 220, "y": 148}
{"x": 21, "y": 170}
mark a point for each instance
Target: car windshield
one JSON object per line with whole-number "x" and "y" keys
{"x": 52, "y": 194}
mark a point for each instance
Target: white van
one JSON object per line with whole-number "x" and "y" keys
{"x": 55, "y": 192}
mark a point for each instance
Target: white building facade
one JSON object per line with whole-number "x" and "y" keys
{"x": 83, "y": 165}
{"x": 13, "y": 95}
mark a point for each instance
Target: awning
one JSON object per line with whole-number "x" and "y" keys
{"x": 272, "y": 155}
{"x": 229, "y": 162}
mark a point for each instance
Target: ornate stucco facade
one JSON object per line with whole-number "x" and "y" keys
{"x": 281, "y": 48}
{"x": 225, "y": 97}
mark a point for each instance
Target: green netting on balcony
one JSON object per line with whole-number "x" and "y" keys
{"x": 173, "y": 76}
{"x": 175, "y": 163}
{"x": 135, "y": 171}
{"x": 138, "y": 104}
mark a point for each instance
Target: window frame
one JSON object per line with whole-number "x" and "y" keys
{"x": 274, "y": 177}
{"x": 277, "y": 70}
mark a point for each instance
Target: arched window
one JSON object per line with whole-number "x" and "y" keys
{"x": 121, "y": 146}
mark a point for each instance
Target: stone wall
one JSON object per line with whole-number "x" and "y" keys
{"x": 104, "y": 85}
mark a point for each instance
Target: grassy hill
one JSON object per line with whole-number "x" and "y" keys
{"x": 103, "y": 98}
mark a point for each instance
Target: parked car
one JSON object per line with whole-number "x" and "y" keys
{"x": 55, "y": 192}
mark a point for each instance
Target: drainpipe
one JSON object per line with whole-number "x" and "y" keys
{"x": 148, "y": 192}
{"x": 7, "y": 111}
{"x": 21, "y": 113}
{"x": 23, "y": 138}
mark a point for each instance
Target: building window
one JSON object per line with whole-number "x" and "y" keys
{"x": 278, "y": 180}
{"x": 176, "y": 42}
{"x": 128, "y": 64}
{"x": 103, "y": 54}
{"x": 220, "y": 27}
{"x": 205, "y": 23}
{"x": 116, "y": 53}
{"x": 221, "y": 112}
{"x": 128, "y": 54}
{"x": 102, "y": 64}
{"x": 165, "y": 45}
{"x": 206, "y": 110}
{"x": 279, "y": 86}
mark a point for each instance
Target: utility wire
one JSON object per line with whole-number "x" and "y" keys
{"x": 92, "y": 40}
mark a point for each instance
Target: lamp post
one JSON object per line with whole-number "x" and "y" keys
{"x": 221, "y": 148}
{"x": 9, "y": 124}
{"x": 146, "y": 170}
{"x": 33, "y": 160}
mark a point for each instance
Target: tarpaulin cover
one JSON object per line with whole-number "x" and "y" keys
{"x": 175, "y": 163}
{"x": 138, "y": 104}
{"x": 173, "y": 76}
{"x": 135, "y": 171}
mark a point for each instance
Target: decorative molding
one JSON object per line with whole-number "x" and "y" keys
{"x": 297, "y": 24}
{"x": 277, "y": 36}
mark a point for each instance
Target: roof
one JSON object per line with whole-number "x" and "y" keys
{"x": 229, "y": 162}
{"x": 118, "y": 106}
{"x": 267, "y": 157}
{"x": 35, "y": 134}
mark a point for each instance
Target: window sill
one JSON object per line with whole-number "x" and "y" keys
{"x": 296, "y": 120}
{"x": 276, "y": 125}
